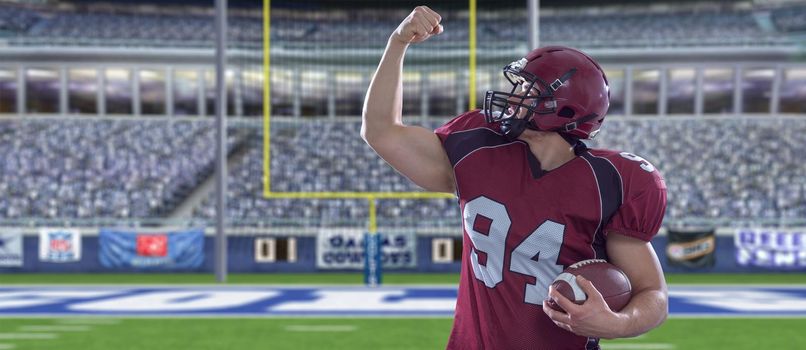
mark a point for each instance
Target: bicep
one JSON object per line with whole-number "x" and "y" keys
{"x": 417, "y": 153}
{"x": 638, "y": 260}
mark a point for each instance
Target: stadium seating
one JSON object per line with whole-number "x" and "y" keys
{"x": 725, "y": 168}
{"x": 714, "y": 168}
{"x": 74, "y": 169}
{"x": 318, "y": 157}
{"x": 14, "y": 20}
{"x": 790, "y": 19}
{"x": 125, "y": 26}
{"x": 721, "y": 168}
{"x": 90, "y": 169}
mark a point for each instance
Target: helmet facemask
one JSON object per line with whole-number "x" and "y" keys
{"x": 515, "y": 110}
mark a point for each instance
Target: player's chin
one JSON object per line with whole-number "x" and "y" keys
{"x": 529, "y": 134}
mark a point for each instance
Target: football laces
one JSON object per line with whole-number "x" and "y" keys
{"x": 587, "y": 262}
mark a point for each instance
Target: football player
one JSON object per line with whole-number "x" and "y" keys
{"x": 534, "y": 198}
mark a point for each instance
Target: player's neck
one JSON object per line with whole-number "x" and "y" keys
{"x": 550, "y": 149}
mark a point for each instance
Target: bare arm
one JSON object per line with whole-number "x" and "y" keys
{"x": 415, "y": 152}
{"x": 649, "y": 305}
{"x": 646, "y": 310}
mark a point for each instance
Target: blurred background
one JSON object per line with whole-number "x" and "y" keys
{"x": 108, "y": 108}
{"x": 108, "y": 133}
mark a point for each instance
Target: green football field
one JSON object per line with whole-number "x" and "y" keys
{"x": 90, "y": 333}
{"x": 369, "y": 333}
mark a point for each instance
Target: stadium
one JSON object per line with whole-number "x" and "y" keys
{"x": 188, "y": 175}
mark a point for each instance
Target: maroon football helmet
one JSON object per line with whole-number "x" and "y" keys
{"x": 569, "y": 94}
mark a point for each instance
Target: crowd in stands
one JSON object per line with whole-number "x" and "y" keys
{"x": 711, "y": 28}
{"x": 323, "y": 156}
{"x": 722, "y": 167}
{"x": 90, "y": 169}
{"x": 790, "y": 19}
{"x": 124, "y": 27}
{"x": 15, "y": 19}
{"x": 716, "y": 26}
{"x": 714, "y": 168}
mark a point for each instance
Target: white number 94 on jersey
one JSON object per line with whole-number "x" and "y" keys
{"x": 536, "y": 256}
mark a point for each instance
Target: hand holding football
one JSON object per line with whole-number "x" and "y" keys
{"x": 608, "y": 279}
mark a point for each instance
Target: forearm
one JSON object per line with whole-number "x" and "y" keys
{"x": 383, "y": 104}
{"x": 647, "y": 309}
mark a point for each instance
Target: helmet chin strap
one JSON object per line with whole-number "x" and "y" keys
{"x": 514, "y": 127}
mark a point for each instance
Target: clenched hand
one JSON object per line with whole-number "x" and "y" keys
{"x": 421, "y": 24}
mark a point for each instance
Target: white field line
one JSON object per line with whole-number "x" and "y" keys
{"x": 321, "y": 328}
{"x": 88, "y": 321}
{"x": 52, "y": 328}
{"x": 363, "y": 316}
{"x": 6, "y": 336}
{"x": 647, "y": 346}
{"x": 232, "y": 315}
{"x": 637, "y": 337}
{"x": 7, "y": 346}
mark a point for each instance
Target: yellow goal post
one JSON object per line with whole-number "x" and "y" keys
{"x": 371, "y": 197}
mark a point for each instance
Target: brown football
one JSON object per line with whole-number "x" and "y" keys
{"x": 610, "y": 280}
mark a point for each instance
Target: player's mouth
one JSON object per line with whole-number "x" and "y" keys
{"x": 511, "y": 113}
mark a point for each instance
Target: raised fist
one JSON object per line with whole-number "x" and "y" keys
{"x": 421, "y": 24}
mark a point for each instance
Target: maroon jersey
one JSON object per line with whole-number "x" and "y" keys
{"x": 523, "y": 226}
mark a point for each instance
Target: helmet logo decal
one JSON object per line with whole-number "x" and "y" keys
{"x": 518, "y": 65}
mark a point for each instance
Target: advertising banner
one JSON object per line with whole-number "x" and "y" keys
{"x": 692, "y": 248}
{"x": 59, "y": 245}
{"x": 773, "y": 248}
{"x": 168, "y": 250}
{"x": 345, "y": 249}
{"x": 10, "y": 249}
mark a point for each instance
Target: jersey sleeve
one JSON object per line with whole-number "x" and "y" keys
{"x": 465, "y": 121}
{"x": 644, "y": 204}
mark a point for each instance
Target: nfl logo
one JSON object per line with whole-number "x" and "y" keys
{"x": 59, "y": 245}
{"x": 152, "y": 245}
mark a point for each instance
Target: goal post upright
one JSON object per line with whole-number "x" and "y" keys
{"x": 266, "y": 97}
{"x": 371, "y": 197}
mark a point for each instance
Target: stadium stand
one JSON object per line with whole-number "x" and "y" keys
{"x": 726, "y": 168}
{"x": 738, "y": 169}
{"x": 15, "y": 20}
{"x": 707, "y": 26}
{"x": 716, "y": 167}
{"x": 318, "y": 157}
{"x": 91, "y": 168}
{"x": 790, "y": 19}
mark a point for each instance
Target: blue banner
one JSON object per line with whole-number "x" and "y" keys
{"x": 771, "y": 248}
{"x": 372, "y": 259}
{"x": 346, "y": 249}
{"x": 174, "y": 250}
